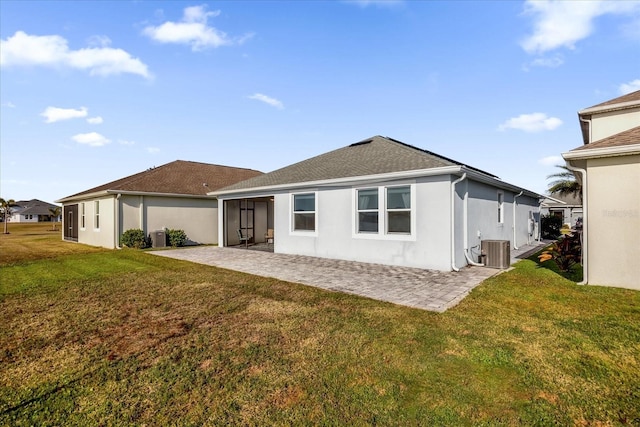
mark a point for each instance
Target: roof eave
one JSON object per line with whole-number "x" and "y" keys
{"x": 592, "y": 153}
{"x": 446, "y": 170}
{"x": 606, "y": 108}
{"x": 132, "y": 193}
{"x": 344, "y": 181}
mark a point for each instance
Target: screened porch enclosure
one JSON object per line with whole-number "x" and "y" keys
{"x": 247, "y": 221}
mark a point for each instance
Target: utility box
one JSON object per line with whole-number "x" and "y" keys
{"x": 158, "y": 239}
{"x": 497, "y": 253}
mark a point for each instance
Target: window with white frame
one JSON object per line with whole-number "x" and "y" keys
{"x": 500, "y": 207}
{"x": 399, "y": 209}
{"x": 304, "y": 212}
{"x": 82, "y": 211}
{"x": 368, "y": 210}
{"x": 97, "y": 213}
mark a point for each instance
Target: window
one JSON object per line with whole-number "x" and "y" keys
{"x": 82, "y": 224}
{"x": 304, "y": 212}
{"x": 97, "y": 213}
{"x": 368, "y": 210}
{"x": 399, "y": 209}
{"x": 500, "y": 207}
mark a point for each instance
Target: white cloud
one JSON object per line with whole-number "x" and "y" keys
{"x": 267, "y": 100}
{"x": 632, "y": 86}
{"x": 125, "y": 142}
{"x": 563, "y": 23}
{"x": 95, "y": 120}
{"x": 92, "y": 139}
{"x": 534, "y": 122}
{"x": 551, "y": 160}
{"x": 9, "y": 104}
{"x": 23, "y": 49}
{"x": 55, "y": 114}
{"x": 153, "y": 150}
{"x": 548, "y": 62}
{"x": 193, "y": 30}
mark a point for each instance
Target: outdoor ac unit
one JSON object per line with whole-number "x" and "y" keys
{"x": 158, "y": 239}
{"x": 497, "y": 253}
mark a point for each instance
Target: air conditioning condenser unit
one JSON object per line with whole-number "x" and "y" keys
{"x": 497, "y": 253}
{"x": 158, "y": 239}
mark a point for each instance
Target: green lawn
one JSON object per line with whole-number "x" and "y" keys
{"x": 97, "y": 337}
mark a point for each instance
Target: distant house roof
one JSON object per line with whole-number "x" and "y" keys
{"x": 33, "y": 207}
{"x": 376, "y": 158}
{"x": 561, "y": 200}
{"x": 177, "y": 178}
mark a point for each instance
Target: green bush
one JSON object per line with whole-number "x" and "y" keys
{"x": 134, "y": 238}
{"x": 550, "y": 226}
{"x": 177, "y": 238}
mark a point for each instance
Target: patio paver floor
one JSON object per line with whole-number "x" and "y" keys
{"x": 414, "y": 287}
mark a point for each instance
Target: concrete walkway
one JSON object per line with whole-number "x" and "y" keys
{"x": 413, "y": 287}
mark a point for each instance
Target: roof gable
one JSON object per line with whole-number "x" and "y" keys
{"x": 178, "y": 177}
{"x": 372, "y": 156}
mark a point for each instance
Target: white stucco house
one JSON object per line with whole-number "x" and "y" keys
{"x": 171, "y": 196}
{"x": 379, "y": 201}
{"x": 33, "y": 210}
{"x": 566, "y": 207}
{"x": 608, "y": 165}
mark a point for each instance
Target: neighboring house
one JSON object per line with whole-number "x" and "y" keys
{"x": 172, "y": 196}
{"x": 379, "y": 201}
{"x": 608, "y": 165}
{"x": 568, "y": 208}
{"x": 33, "y": 211}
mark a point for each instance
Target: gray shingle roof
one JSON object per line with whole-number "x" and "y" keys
{"x": 178, "y": 177}
{"x": 373, "y": 156}
{"x": 34, "y": 207}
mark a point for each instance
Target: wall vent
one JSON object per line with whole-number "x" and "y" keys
{"x": 158, "y": 239}
{"x": 497, "y": 253}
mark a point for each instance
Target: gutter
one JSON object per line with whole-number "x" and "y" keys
{"x": 354, "y": 180}
{"x": 515, "y": 204}
{"x": 453, "y": 221}
{"x": 131, "y": 193}
{"x": 588, "y": 153}
{"x": 585, "y": 224}
{"x": 588, "y": 122}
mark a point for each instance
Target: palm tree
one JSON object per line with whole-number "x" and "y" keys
{"x": 565, "y": 183}
{"x": 55, "y": 213}
{"x": 5, "y": 208}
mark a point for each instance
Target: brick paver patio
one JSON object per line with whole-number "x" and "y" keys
{"x": 413, "y": 287}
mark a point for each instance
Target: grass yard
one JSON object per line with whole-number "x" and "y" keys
{"x": 97, "y": 337}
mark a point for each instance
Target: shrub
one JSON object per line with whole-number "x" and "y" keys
{"x": 177, "y": 238}
{"x": 566, "y": 252}
{"x": 550, "y": 226}
{"x": 134, "y": 238}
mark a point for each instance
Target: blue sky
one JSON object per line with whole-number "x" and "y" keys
{"x": 94, "y": 91}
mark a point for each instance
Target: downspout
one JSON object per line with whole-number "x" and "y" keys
{"x": 585, "y": 223}
{"x": 117, "y": 221}
{"x": 589, "y": 122}
{"x": 515, "y": 245}
{"x": 453, "y": 221}
{"x": 466, "y": 231}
